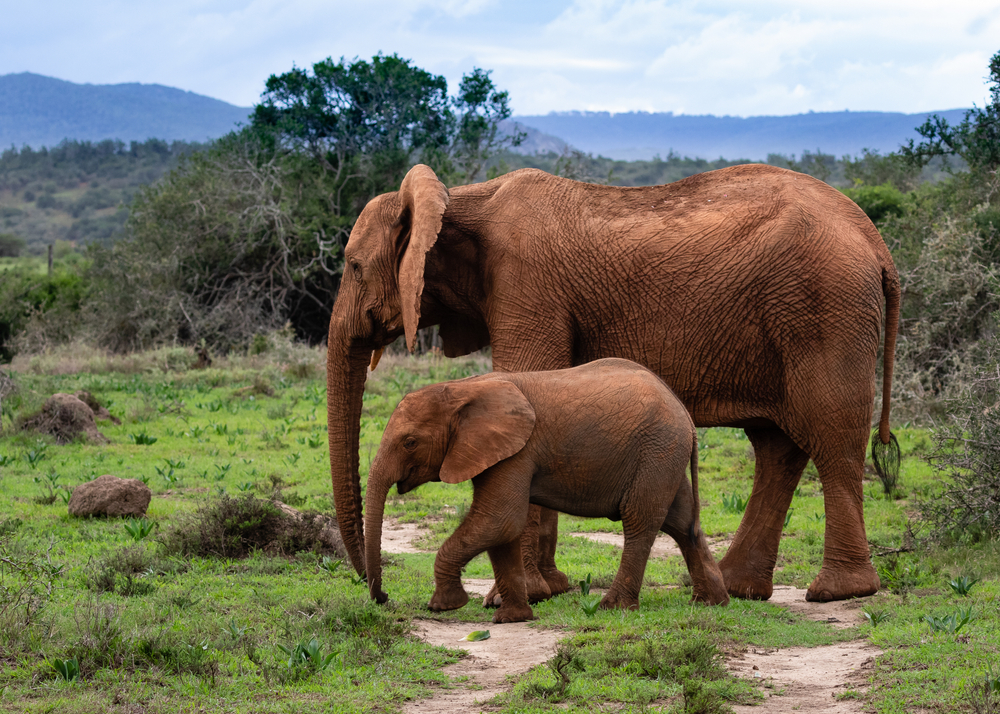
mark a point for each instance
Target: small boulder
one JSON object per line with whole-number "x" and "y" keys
{"x": 65, "y": 417}
{"x": 109, "y": 495}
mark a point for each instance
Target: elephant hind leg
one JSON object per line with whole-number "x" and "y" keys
{"x": 538, "y": 547}
{"x": 847, "y": 569}
{"x": 707, "y": 583}
{"x": 548, "y": 536}
{"x": 748, "y": 566}
{"x": 509, "y": 571}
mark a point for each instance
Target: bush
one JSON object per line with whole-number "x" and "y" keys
{"x": 878, "y": 202}
{"x": 968, "y": 456}
{"x": 10, "y": 245}
{"x": 235, "y": 527}
{"x": 215, "y": 252}
{"x": 124, "y": 572}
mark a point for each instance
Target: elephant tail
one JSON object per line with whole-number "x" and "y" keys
{"x": 885, "y": 448}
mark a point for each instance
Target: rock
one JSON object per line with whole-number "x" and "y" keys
{"x": 95, "y": 406}
{"x": 109, "y": 495}
{"x": 329, "y": 533}
{"x": 65, "y": 417}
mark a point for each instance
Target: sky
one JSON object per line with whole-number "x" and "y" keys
{"x": 768, "y": 57}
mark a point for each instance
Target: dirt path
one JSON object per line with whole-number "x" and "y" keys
{"x": 795, "y": 679}
{"x": 807, "y": 679}
{"x": 513, "y": 648}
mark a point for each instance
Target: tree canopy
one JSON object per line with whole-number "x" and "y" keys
{"x": 976, "y": 139}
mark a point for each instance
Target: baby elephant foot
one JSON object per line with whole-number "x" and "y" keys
{"x": 448, "y": 598}
{"x": 616, "y": 601}
{"x": 513, "y": 613}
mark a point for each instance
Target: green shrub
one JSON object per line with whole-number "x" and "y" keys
{"x": 878, "y": 202}
{"x": 967, "y": 453}
{"x": 234, "y": 527}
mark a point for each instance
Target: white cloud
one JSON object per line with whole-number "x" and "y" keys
{"x": 722, "y": 57}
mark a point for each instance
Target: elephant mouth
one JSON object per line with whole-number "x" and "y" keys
{"x": 403, "y": 487}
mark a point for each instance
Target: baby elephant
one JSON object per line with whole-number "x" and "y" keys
{"x": 604, "y": 440}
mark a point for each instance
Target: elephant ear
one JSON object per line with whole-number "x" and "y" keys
{"x": 425, "y": 199}
{"x": 493, "y": 421}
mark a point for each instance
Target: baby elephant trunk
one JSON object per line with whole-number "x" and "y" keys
{"x": 378, "y": 488}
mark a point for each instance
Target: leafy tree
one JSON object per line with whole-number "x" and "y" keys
{"x": 482, "y": 108}
{"x": 363, "y": 123}
{"x": 367, "y": 123}
{"x": 218, "y": 250}
{"x": 976, "y": 139}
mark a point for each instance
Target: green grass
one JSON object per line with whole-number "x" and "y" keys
{"x": 175, "y": 633}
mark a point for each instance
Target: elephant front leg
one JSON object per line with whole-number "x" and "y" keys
{"x": 511, "y": 353}
{"x": 748, "y": 567}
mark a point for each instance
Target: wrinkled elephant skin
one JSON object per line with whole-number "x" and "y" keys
{"x": 607, "y": 439}
{"x": 756, "y": 293}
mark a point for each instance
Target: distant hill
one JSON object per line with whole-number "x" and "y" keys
{"x": 42, "y": 111}
{"x": 642, "y": 135}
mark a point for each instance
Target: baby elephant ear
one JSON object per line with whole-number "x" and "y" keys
{"x": 493, "y": 422}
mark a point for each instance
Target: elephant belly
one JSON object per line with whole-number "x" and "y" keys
{"x": 589, "y": 500}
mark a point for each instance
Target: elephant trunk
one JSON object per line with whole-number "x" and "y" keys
{"x": 346, "y": 372}
{"x": 378, "y": 488}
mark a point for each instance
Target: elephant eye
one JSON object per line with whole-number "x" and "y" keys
{"x": 410, "y": 443}
{"x": 356, "y": 268}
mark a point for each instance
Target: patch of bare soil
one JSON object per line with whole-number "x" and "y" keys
{"x": 512, "y": 649}
{"x": 663, "y": 546}
{"x": 399, "y": 537}
{"x": 477, "y": 586}
{"x": 807, "y": 679}
{"x": 810, "y": 678}
{"x": 840, "y": 613}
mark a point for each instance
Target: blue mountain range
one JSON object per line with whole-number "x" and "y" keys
{"x": 42, "y": 111}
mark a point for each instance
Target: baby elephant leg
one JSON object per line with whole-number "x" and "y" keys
{"x": 624, "y": 591}
{"x": 683, "y": 527}
{"x": 495, "y": 520}
{"x": 643, "y": 510}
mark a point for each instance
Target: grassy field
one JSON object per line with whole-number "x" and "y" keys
{"x": 152, "y": 627}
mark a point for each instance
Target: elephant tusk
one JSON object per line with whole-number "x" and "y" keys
{"x": 376, "y": 356}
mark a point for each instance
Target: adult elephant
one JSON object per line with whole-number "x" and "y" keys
{"x": 755, "y": 292}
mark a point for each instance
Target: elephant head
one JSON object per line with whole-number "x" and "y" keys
{"x": 448, "y": 432}
{"x": 379, "y": 299}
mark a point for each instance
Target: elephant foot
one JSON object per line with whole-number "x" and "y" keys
{"x": 743, "y": 583}
{"x": 448, "y": 598}
{"x": 493, "y": 598}
{"x": 513, "y": 613}
{"x": 556, "y": 579}
{"x": 538, "y": 588}
{"x": 617, "y": 601}
{"x": 843, "y": 584}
